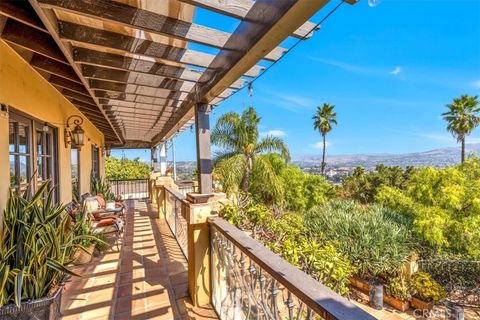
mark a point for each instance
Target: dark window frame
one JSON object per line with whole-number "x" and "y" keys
{"x": 95, "y": 161}
{"x": 35, "y": 126}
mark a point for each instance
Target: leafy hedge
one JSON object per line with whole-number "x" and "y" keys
{"x": 375, "y": 239}
{"x": 126, "y": 168}
{"x": 443, "y": 205}
{"x": 287, "y": 235}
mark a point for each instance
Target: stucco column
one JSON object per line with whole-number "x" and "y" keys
{"x": 200, "y": 207}
{"x": 162, "y": 161}
{"x": 4, "y": 161}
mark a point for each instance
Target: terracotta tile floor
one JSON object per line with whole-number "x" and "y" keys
{"x": 146, "y": 279}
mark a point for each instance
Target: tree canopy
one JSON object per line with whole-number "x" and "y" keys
{"x": 241, "y": 148}
{"x": 126, "y": 168}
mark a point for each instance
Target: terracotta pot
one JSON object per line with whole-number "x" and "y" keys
{"x": 361, "y": 285}
{"x": 420, "y": 304}
{"x": 82, "y": 257}
{"x": 397, "y": 303}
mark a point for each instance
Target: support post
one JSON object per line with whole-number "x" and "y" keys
{"x": 163, "y": 158}
{"x": 174, "y": 158}
{"x": 204, "y": 153}
{"x": 199, "y": 208}
{"x": 154, "y": 158}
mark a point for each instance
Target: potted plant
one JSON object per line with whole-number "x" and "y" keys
{"x": 85, "y": 239}
{"x": 84, "y": 252}
{"x": 426, "y": 291}
{"x": 35, "y": 248}
{"x": 397, "y": 293}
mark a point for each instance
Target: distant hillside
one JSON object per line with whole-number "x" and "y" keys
{"x": 437, "y": 158}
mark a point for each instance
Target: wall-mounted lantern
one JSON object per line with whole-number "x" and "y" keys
{"x": 107, "y": 150}
{"x": 74, "y": 137}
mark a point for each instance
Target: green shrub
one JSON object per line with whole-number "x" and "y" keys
{"x": 126, "y": 168}
{"x": 398, "y": 287}
{"x": 286, "y": 234}
{"x": 35, "y": 246}
{"x": 427, "y": 289}
{"x": 443, "y": 205}
{"x": 373, "y": 237}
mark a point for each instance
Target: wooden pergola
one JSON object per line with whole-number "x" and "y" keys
{"x": 128, "y": 64}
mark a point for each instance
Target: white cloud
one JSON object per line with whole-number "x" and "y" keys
{"x": 396, "y": 71}
{"x": 274, "y": 133}
{"x": 291, "y": 102}
{"x": 365, "y": 70}
{"x": 319, "y": 145}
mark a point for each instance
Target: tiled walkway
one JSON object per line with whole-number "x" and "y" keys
{"x": 147, "y": 279}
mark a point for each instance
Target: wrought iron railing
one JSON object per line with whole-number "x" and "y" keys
{"x": 460, "y": 278}
{"x": 130, "y": 188}
{"x": 175, "y": 211}
{"x": 249, "y": 281}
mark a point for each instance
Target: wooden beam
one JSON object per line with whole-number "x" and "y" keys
{"x": 88, "y": 106}
{"x": 136, "y": 78}
{"x": 67, "y": 84}
{"x": 31, "y": 39}
{"x": 143, "y": 79}
{"x": 49, "y": 20}
{"x": 146, "y": 90}
{"x": 149, "y": 21}
{"x": 266, "y": 25}
{"x": 139, "y": 105}
{"x": 135, "y": 89}
{"x": 122, "y": 96}
{"x": 79, "y": 97}
{"x": 239, "y": 8}
{"x": 85, "y": 34}
{"x": 115, "y": 61}
{"x": 21, "y": 11}
{"x": 54, "y": 67}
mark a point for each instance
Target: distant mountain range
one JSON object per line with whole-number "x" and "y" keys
{"x": 437, "y": 158}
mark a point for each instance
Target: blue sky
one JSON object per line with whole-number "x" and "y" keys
{"x": 389, "y": 70}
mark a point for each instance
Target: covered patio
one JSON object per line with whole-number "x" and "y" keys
{"x": 146, "y": 279}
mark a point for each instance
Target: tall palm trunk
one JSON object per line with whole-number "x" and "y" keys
{"x": 322, "y": 169}
{"x": 246, "y": 174}
{"x": 463, "y": 149}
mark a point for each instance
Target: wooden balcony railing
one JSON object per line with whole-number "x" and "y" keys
{"x": 248, "y": 281}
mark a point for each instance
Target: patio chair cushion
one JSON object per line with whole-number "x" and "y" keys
{"x": 103, "y": 204}
{"x": 106, "y": 222}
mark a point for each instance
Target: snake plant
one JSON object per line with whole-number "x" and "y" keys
{"x": 36, "y": 246}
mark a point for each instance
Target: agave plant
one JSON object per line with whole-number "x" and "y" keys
{"x": 36, "y": 245}
{"x": 101, "y": 186}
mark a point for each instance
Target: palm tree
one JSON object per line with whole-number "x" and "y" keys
{"x": 323, "y": 121}
{"x": 240, "y": 147}
{"x": 462, "y": 117}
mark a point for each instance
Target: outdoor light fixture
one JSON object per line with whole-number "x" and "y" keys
{"x": 45, "y": 127}
{"x": 74, "y": 137}
{"x": 3, "y": 109}
{"x": 108, "y": 150}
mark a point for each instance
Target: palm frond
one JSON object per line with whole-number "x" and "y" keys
{"x": 230, "y": 171}
{"x": 273, "y": 144}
